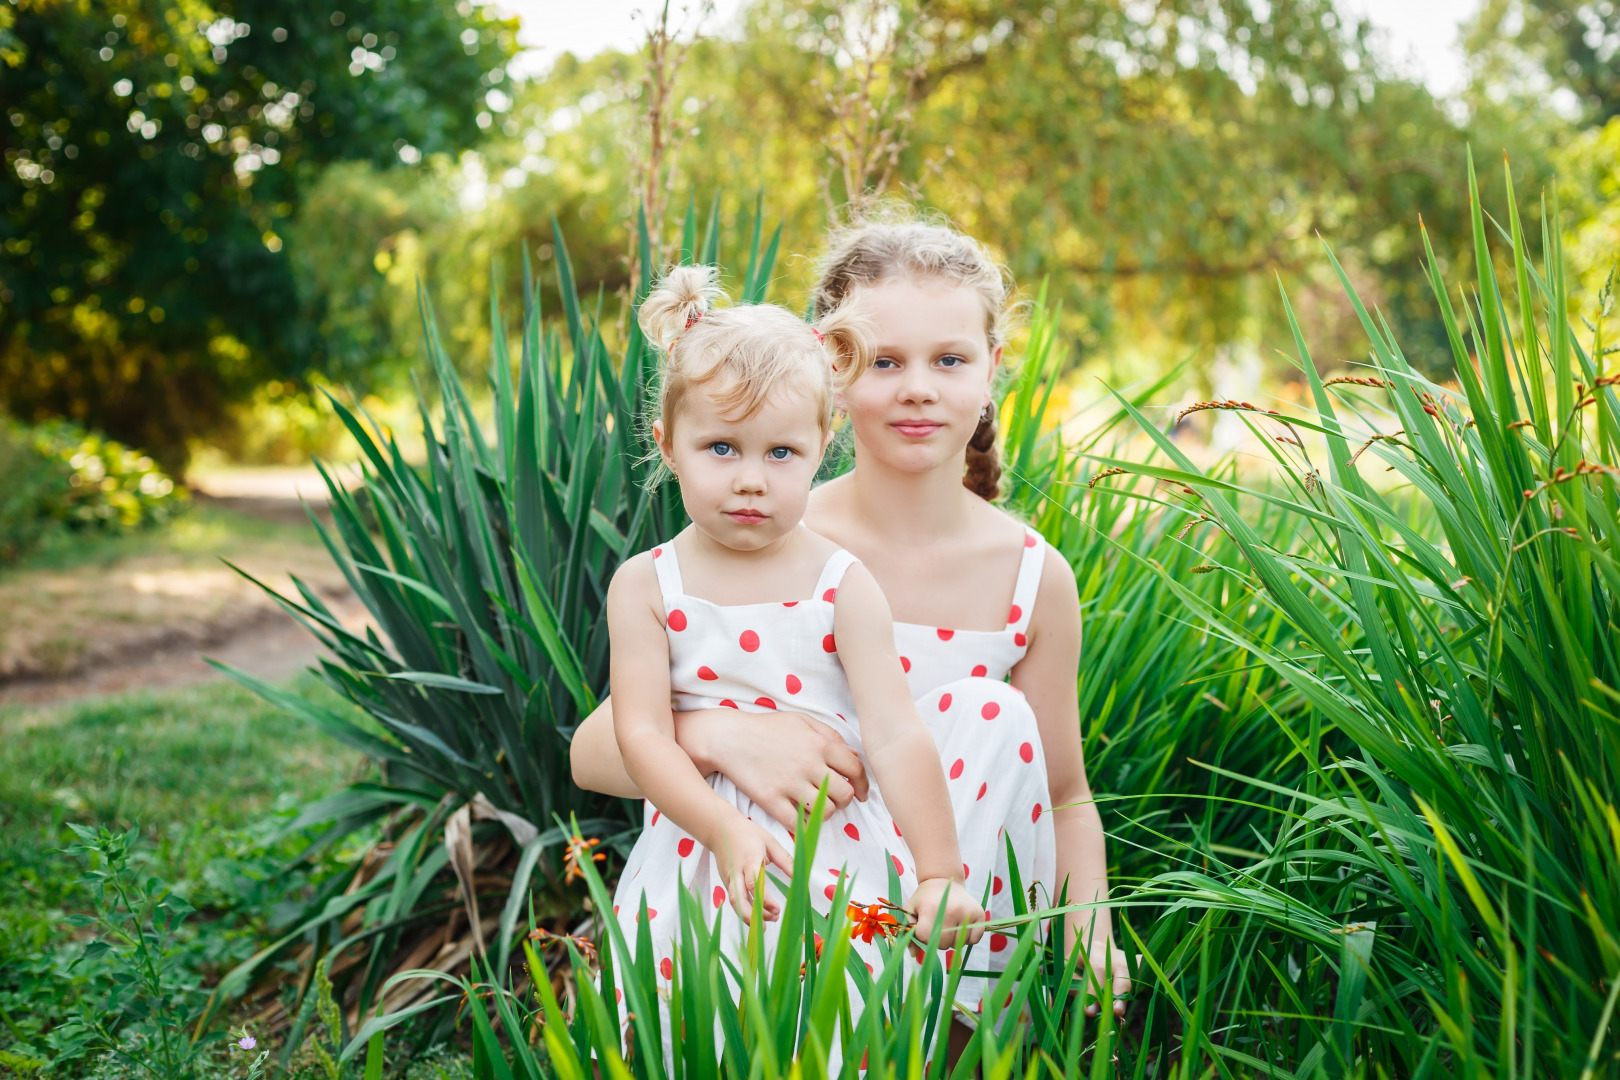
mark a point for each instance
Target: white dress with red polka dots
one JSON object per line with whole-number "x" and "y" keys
{"x": 990, "y": 748}
{"x": 764, "y": 657}
{"x": 756, "y": 658}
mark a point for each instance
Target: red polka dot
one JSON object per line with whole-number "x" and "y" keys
{"x": 1027, "y": 752}
{"x": 851, "y": 831}
{"x": 615, "y": 909}
{"x": 677, "y": 620}
{"x": 897, "y": 829}
{"x": 1015, "y": 614}
{"x": 956, "y": 769}
{"x": 657, "y": 552}
{"x": 706, "y": 673}
{"x": 998, "y": 942}
{"x": 905, "y": 664}
{"x": 944, "y": 702}
{"x": 944, "y": 634}
{"x": 965, "y": 872}
{"x": 793, "y": 684}
{"x": 1020, "y": 640}
{"x": 829, "y": 644}
{"x": 790, "y": 603}
{"x": 982, "y": 789}
{"x": 618, "y": 995}
{"x": 727, "y": 703}
{"x": 1035, "y": 814}
{"x": 830, "y": 595}
{"x": 685, "y": 846}
{"x": 652, "y": 913}
{"x": 765, "y": 703}
{"x": 898, "y": 869}
{"x": 749, "y": 641}
{"x": 834, "y": 872}
{"x": 719, "y": 896}
{"x": 996, "y": 886}
{"x": 990, "y": 711}
{"x": 980, "y": 671}
{"x": 950, "y": 958}
{"x": 831, "y": 890}
{"x": 666, "y": 968}
{"x": 1029, "y": 540}
{"x": 656, "y": 815}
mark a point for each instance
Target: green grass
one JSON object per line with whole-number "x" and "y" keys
{"x": 197, "y": 769}
{"x": 204, "y": 531}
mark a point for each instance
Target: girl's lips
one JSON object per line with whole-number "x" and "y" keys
{"x": 916, "y": 429}
{"x": 745, "y": 517}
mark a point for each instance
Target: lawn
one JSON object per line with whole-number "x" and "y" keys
{"x": 206, "y": 772}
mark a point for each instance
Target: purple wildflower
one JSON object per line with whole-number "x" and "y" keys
{"x": 247, "y": 1042}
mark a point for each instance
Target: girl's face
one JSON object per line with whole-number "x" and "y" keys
{"x": 918, "y": 404}
{"x": 744, "y": 482}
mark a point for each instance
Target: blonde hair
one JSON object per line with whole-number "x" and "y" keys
{"x": 758, "y": 349}
{"x": 895, "y": 245}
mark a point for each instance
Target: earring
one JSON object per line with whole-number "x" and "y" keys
{"x": 987, "y": 414}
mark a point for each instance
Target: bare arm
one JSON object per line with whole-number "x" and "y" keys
{"x": 780, "y": 769}
{"x": 1046, "y": 675}
{"x": 901, "y": 752}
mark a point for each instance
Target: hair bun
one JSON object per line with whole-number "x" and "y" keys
{"x": 683, "y": 295}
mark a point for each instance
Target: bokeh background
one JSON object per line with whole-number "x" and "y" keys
{"x": 212, "y": 213}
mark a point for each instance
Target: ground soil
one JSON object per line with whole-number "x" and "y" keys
{"x": 146, "y": 619}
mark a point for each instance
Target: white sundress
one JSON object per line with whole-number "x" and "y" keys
{"x": 762, "y": 657}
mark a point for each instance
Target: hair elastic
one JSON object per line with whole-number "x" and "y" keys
{"x": 816, "y": 332}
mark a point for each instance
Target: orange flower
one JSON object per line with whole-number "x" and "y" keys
{"x": 875, "y": 919}
{"x": 578, "y": 846}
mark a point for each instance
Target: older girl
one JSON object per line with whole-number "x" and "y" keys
{"x": 978, "y": 598}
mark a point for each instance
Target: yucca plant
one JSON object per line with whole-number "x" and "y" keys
{"x": 484, "y": 571}
{"x": 1440, "y": 897}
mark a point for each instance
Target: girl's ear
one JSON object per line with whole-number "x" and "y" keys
{"x": 826, "y": 440}
{"x": 663, "y": 443}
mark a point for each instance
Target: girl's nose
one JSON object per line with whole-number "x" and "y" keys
{"x": 749, "y": 480}
{"x": 917, "y": 387}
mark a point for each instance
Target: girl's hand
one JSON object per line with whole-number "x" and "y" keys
{"x": 780, "y": 769}
{"x": 1103, "y": 959}
{"x": 962, "y": 913}
{"x": 741, "y": 850}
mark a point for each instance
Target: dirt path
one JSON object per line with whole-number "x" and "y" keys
{"x": 144, "y": 618}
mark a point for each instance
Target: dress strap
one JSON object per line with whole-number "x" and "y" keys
{"x": 837, "y": 564}
{"x": 1029, "y": 580}
{"x": 669, "y": 571}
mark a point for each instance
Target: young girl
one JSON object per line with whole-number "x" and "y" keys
{"x": 747, "y": 609}
{"x": 976, "y": 603}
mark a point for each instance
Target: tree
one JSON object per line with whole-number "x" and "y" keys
{"x": 1574, "y": 43}
{"x": 157, "y": 149}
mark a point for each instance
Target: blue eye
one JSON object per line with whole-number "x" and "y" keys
{"x": 884, "y": 363}
{"x": 780, "y": 453}
{"x": 722, "y": 449}
{"x": 951, "y": 360}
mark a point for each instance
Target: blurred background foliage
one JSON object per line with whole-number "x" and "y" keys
{"x": 215, "y": 211}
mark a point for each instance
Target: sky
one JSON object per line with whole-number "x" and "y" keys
{"x": 1420, "y": 36}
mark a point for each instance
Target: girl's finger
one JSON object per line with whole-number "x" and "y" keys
{"x": 740, "y": 893}
{"x": 778, "y": 855}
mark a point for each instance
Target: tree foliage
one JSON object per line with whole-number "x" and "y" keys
{"x": 1575, "y": 43}
{"x": 158, "y": 150}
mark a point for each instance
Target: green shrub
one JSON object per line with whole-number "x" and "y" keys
{"x": 1440, "y": 895}
{"x": 33, "y": 482}
{"x": 59, "y": 476}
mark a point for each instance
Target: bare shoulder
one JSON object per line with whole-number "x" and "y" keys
{"x": 635, "y": 577}
{"x": 995, "y": 525}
